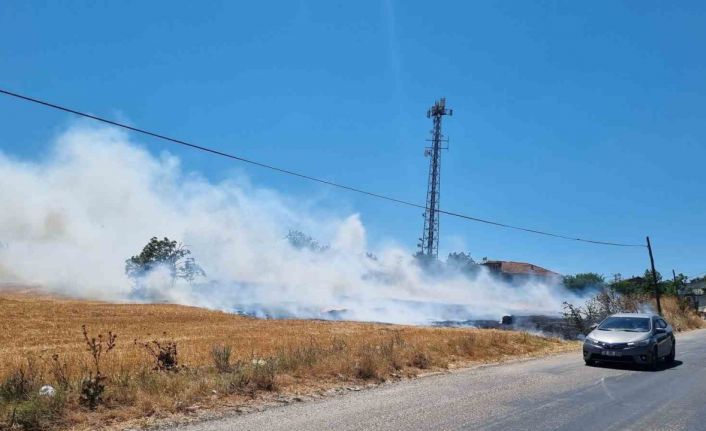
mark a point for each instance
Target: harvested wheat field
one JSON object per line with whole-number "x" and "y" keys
{"x": 170, "y": 361}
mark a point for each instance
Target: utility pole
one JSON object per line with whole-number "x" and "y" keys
{"x": 654, "y": 277}
{"x": 429, "y": 242}
{"x": 674, "y": 277}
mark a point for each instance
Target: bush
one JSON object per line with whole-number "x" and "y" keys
{"x": 38, "y": 412}
{"x": 93, "y": 386}
{"x": 32, "y": 415}
{"x": 467, "y": 345}
{"x": 420, "y": 360}
{"x": 263, "y": 374}
{"x": 163, "y": 352}
{"x": 221, "y": 358}
{"x": 236, "y": 381}
{"x": 92, "y": 389}
{"x": 606, "y": 302}
{"x": 248, "y": 378}
{"x": 389, "y": 352}
{"x": 60, "y": 372}
{"x": 367, "y": 365}
{"x": 18, "y": 386}
{"x": 307, "y": 356}
{"x": 295, "y": 358}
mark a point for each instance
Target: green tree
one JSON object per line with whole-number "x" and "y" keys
{"x": 648, "y": 276}
{"x": 584, "y": 281}
{"x": 164, "y": 253}
{"x": 461, "y": 261}
{"x": 674, "y": 285}
{"x": 641, "y": 285}
{"x": 301, "y": 241}
{"x": 190, "y": 270}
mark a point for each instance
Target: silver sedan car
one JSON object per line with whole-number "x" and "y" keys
{"x": 637, "y": 338}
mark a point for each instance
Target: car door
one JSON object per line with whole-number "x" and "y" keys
{"x": 663, "y": 338}
{"x": 669, "y": 339}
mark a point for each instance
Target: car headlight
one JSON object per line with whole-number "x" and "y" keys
{"x": 590, "y": 340}
{"x": 644, "y": 342}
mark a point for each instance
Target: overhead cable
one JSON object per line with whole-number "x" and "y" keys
{"x": 304, "y": 176}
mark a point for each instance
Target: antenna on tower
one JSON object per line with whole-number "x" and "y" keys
{"x": 429, "y": 244}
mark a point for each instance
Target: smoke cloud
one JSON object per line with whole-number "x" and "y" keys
{"x": 69, "y": 221}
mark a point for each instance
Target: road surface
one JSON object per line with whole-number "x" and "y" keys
{"x": 555, "y": 393}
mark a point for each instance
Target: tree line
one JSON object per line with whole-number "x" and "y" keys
{"x": 177, "y": 260}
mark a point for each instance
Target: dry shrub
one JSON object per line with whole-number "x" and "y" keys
{"x": 249, "y": 377}
{"x": 237, "y": 381}
{"x": 163, "y": 352}
{"x": 294, "y": 358}
{"x": 263, "y": 374}
{"x": 467, "y": 345}
{"x": 310, "y": 354}
{"x": 500, "y": 339}
{"x": 22, "y": 404}
{"x": 221, "y": 358}
{"x": 380, "y": 360}
{"x": 60, "y": 371}
{"x": 420, "y": 360}
{"x": 19, "y": 385}
{"x": 93, "y": 386}
{"x": 39, "y": 412}
{"x": 390, "y": 353}
{"x": 678, "y": 313}
{"x": 608, "y": 301}
{"x": 367, "y": 366}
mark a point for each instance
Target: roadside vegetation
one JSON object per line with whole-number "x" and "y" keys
{"x": 635, "y": 286}
{"x": 70, "y": 364}
{"x": 677, "y": 311}
{"x": 635, "y": 294}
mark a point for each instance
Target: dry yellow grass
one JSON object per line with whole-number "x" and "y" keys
{"x": 679, "y": 314}
{"x": 305, "y": 355}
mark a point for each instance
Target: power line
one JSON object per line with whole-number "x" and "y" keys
{"x": 303, "y": 176}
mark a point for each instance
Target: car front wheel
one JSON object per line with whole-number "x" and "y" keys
{"x": 672, "y": 353}
{"x": 654, "y": 360}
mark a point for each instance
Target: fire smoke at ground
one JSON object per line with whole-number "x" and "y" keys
{"x": 70, "y": 220}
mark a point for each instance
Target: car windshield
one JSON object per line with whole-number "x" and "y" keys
{"x": 630, "y": 324}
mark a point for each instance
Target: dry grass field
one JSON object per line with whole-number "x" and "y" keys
{"x": 41, "y": 342}
{"x": 681, "y": 317}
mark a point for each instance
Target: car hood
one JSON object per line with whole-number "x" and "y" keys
{"x": 617, "y": 336}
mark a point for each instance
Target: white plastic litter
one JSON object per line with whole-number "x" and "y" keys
{"x": 47, "y": 391}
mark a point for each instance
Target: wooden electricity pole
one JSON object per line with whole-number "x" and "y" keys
{"x": 654, "y": 277}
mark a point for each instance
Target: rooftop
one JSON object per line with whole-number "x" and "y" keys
{"x": 509, "y": 267}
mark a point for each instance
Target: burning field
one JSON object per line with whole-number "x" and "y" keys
{"x": 70, "y": 221}
{"x": 75, "y": 222}
{"x": 220, "y": 360}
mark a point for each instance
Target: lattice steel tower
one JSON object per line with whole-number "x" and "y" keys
{"x": 429, "y": 244}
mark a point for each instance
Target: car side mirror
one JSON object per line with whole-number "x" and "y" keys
{"x": 593, "y": 326}
{"x": 660, "y": 330}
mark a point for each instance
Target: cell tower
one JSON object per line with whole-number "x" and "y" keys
{"x": 429, "y": 244}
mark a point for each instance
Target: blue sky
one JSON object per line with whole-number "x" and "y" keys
{"x": 582, "y": 118}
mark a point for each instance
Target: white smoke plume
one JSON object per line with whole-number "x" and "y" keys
{"x": 69, "y": 221}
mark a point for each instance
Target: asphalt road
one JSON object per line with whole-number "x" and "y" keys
{"x": 555, "y": 393}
